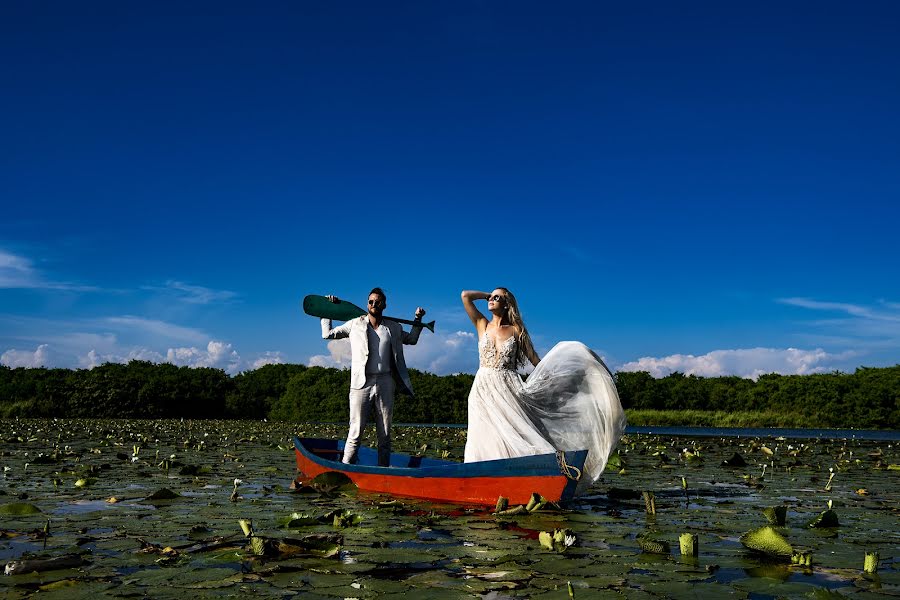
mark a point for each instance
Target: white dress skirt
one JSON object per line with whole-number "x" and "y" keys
{"x": 569, "y": 402}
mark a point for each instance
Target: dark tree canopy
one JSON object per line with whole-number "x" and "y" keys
{"x": 868, "y": 398}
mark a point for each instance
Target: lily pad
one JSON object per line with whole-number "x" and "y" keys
{"x": 827, "y": 518}
{"x": 163, "y": 494}
{"x": 332, "y": 481}
{"x": 767, "y": 541}
{"x": 19, "y": 509}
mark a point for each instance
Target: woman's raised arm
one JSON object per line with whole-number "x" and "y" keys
{"x": 468, "y": 300}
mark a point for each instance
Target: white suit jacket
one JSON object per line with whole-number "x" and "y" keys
{"x": 359, "y": 348}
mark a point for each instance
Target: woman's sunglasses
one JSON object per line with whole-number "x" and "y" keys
{"x": 496, "y": 298}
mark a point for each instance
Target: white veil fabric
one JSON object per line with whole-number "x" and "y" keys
{"x": 572, "y": 400}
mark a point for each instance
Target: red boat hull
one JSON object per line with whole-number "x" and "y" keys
{"x": 445, "y": 481}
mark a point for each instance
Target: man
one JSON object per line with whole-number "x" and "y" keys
{"x": 377, "y": 367}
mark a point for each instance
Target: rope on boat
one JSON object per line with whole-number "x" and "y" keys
{"x": 571, "y": 472}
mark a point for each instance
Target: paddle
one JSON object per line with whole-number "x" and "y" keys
{"x": 322, "y": 307}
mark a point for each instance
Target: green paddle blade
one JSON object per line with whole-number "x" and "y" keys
{"x": 320, "y": 306}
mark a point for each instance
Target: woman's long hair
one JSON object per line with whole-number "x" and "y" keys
{"x": 524, "y": 347}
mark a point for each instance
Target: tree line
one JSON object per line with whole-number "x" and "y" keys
{"x": 867, "y": 398}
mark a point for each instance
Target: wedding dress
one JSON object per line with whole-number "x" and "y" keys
{"x": 569, "y": 402}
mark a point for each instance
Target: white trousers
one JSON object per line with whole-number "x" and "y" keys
{"x": 378, "y": 393}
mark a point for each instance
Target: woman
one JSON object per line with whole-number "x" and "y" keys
{"x": 568, "y": 403}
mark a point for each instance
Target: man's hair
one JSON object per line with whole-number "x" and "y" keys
{"x": 380, "y": 292}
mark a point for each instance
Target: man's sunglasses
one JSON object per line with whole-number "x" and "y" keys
{"x": 375, "y": 302}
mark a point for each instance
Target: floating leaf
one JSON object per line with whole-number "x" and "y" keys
{"x": 826, "y": 518}
{"x": 776, "y": 515}
{"x": 18, "y": 509}
{"x": 871, "y": 562}
{"x": 688, "y": 544}
{"x": 343, "y": 518}
{"x": 652, "y": 546}
{"x": 31, "y": 565}
{"x": 736, "y": 460}
{"x": 536, "y": 502}
{"x": 546, "y": 540}
{"x": 768, "y": 541}
{"x": 300, "y": 520}
{"x": 163, "y": 494}
{"x": 615, "y": 461}
{"x": 332, "y": 481}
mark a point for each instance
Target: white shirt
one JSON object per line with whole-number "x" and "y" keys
{"x": 379, "y": 361}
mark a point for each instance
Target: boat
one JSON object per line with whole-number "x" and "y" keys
{"x": 554, "y": 475}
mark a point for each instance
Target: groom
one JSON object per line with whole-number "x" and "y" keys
{"x": 377, "y": 367}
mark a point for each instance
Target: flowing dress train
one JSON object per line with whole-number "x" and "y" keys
{"x": 569, "y": 402}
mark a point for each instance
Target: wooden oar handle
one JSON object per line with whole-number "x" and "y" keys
{"x": 428, "y": 326}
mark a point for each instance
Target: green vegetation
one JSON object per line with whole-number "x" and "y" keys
{"x": 715, "y": 418}
{"x": 868, "y": 398}
{"x": 189, "y": 508}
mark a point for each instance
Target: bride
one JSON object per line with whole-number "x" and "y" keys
{"x": 569, "y": 401}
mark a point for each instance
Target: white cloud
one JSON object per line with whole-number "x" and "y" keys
{"x": 267, "y": 358}
{"x": 747, "y": 362}
{"x": 437, "y": 353}
{"x": 18, "y": 272}
{"x": 193, "y": 294}
{"x": 338, "y": 355}
{"x": 855, "y": 310}
{"x": 25, "y": 358}
{"x": 158, "y": 328}
{"x": 444, "y": 354}
{"x": 871, "y": 331}
{"x": 95, "y": 359}
{"x": 219, "y": 355}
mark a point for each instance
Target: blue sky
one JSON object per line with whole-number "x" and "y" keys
{"x": 712, "y": 188}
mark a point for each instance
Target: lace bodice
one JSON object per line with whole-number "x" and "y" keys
{"x": 491, "y": 357}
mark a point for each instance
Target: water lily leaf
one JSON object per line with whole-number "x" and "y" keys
{"x": 652, "y": 545}
{"x": 342, "y": 518}
{"x": 775, "y": 515}
{"x": 58, "y": 585}
{"x": 300, "y": 520}
{"x": 736, "y": 460}
{"x": 768, "y": 541}
{"x": 320, "y": 546}
{"x": 18, "y": 509}
{"x": 615, "y": 462}
{"x": 332, "y": 481}
{"x": 163, "y": 494}
{"x": 546, "y": 539}
{"x": 827, "y": 518}
{"x": 213, "y": 584}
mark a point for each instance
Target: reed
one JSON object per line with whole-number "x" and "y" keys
{"x": 710, "y": 418}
